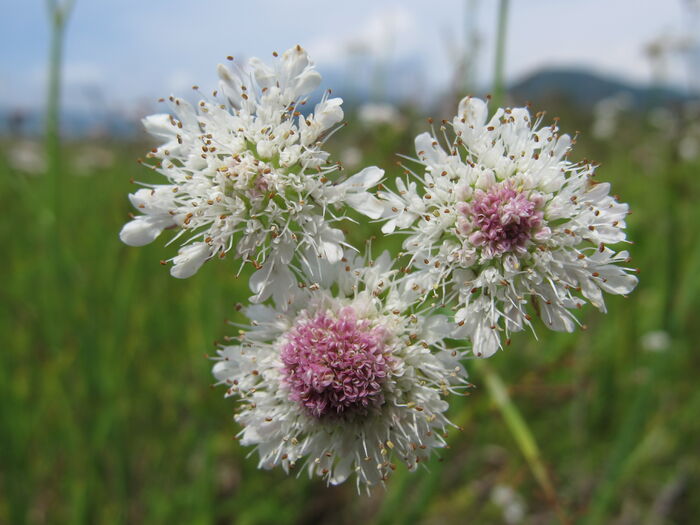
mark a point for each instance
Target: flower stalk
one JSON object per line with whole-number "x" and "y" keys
{"x": 499, "y": 65}
{"x": 58, "y": 16}
{"x": 520, "y": 431}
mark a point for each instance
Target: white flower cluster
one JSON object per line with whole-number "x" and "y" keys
{"x": 246, "y": 172}
{"x": 346, "y": 363}
{"x": 342, "y": 382}
{"x": 501, "y": 224}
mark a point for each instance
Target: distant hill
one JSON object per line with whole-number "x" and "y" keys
{"x": 545, "y": 88}
{"x": 584, "y": 88}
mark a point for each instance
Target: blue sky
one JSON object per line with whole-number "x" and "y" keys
{"x": 122, "y": 52}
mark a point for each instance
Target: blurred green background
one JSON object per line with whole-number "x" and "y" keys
{"x": 106, "y": 415}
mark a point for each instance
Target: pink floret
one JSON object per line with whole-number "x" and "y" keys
{"x": 336, "y": 365}
{"x": 501, "y": 220}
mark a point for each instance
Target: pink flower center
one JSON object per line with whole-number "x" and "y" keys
{"x": 501, "y": 220}
{"x": 335, "y": 366}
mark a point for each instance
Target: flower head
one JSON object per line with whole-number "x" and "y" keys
{"x": 336, "y": 365}
{"x": 246, "y": 171}
{"x": 343, "y": 378}
{"x": 501, "y": 222}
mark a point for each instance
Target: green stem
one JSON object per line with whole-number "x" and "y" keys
{"x": 499, "y": 64}
{"x": 520, "y": 431}
{"x": 58, "y": 15}
{"x": 674, "y": 229}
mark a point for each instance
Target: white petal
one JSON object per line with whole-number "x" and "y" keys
{"x": 141, "y": 231}
{"x": 485, "y": 341}
{"x": 342, "y": 469}
{"x": 332, "y": 251}
{"x": 428, "y": 151}
{"x": 266, "y": 149}
{"x": 389, "y": 226}
{"x": 363, "y": 180}
{"x": 264, "y": 74}
{"x": 474, "y": 111}
{"x": 221, "y": 370}
{"x": 273, "y": 279}
{"x": 230, "y": 85}
{"x": 306, "y": 83}
{"x": 190, "y": 259}
{"x": 620, "y": 284}
{"x": 159, "y": 125}
{"x": 259, "y": 282}
{"x": 284, "y": 285}
{"x": 556, "y": 317}
{"x": 366, "y": 204}
{"x": 329, "y": 112}
{"x": 294, "y": 61}
{"x": 485, "y": 180}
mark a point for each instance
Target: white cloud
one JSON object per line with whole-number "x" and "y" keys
{"x": 84, "y": 74}
{"x": 381, "y": 34}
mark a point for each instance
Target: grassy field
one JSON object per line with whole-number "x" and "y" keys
{"x": 106, "y": 415}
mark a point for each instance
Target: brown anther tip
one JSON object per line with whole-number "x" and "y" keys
{"x": 195, "y": 87}
{"x": 229, "y": 58}
{"x": 163, "y": 262}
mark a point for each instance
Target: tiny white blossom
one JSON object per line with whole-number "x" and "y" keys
{"x": 344, "y": 382}
{"x": 27, "y": 156}
{"x": 656, "y": 341}
{"x": 373, "y": 114}
{"x": 501, "y": 222}
{"x": 607, "y": 114}
{"x": 246, "y": 171}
